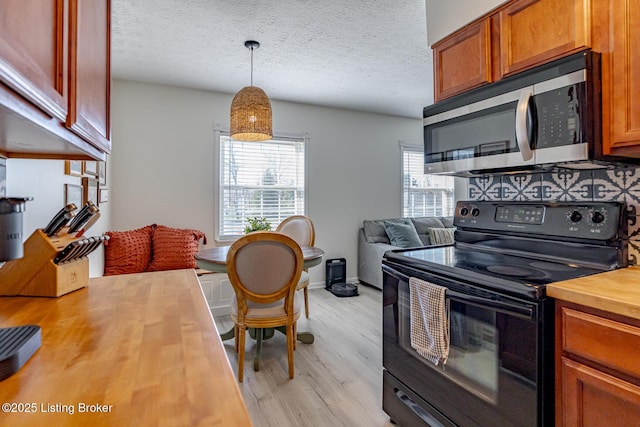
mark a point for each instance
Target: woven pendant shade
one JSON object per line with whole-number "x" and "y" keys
{"x": 251, "y": 115}
{"x": 251, "y": 109}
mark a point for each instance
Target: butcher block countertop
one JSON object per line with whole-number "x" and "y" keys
{"x": 129, "y": 350}
{"x": 616, "y": 291}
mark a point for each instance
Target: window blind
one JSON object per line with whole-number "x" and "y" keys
{"x": 259, "y": 179}
{"x": 424, "y": 194}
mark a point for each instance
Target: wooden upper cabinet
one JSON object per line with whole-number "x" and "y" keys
{"x": 536, "y": 31}
{"x": 33, "y": 49}
{"x": 90, "y": 71}
{"x": 621, "y": 80}
{"x": 463, "y": 60}
{"x": 55, "y": 78}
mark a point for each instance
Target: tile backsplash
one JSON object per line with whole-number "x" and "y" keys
{"x": 610, "y": 185}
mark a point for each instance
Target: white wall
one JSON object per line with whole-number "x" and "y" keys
{"x": 445, "y": 17}
{"x": 44, "y": 181}
{"x": 163, "y": 172}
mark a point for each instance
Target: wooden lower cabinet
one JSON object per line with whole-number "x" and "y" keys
{"x": 597, "y": 368}
{"x": 593, "y": 398}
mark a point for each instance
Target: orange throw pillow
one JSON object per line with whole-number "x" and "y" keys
{"x": 127, "y": 251}
{"x": 174, "y": 248}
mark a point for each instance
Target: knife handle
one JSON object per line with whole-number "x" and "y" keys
{"x": 87, "y": 213}
{"x": 92, "y": 220}
{"x": 67, "y": 252}
{"x": 60, "y": 225}
{"x": 57, "y": 218}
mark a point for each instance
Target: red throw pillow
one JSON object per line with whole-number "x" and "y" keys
{"x": 127, "y": 251}
{"x": 174, "y": 248}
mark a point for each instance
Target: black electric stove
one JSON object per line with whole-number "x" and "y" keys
{"x": 500, "y": 369}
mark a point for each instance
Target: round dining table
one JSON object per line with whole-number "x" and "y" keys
{"x": 215, "y": 259}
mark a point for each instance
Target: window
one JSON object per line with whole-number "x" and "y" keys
{"x": 259, "y": 179}
{"x": 424, "y": 194}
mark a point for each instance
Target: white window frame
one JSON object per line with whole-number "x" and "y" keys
{"x": 420, "y": 149}
{"x": 218, "y": 132}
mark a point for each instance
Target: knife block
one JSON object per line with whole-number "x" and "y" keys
{"x": 35, "y": 274}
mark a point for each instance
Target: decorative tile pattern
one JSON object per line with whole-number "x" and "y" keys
{"x": 601, "y": 185}
{"x": 567, "y": 185}
{"x": 634, "y": 252}
{"x": 633, "y": 230}
{"x": 486, "y": 187}
{"x": 617, "y": 185}
{"x": 522, "y": 187}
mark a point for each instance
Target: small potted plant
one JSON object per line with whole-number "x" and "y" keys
{"x": 257, "y": 224}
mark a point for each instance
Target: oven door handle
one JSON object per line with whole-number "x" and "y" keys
{"x": 524, "y": 311}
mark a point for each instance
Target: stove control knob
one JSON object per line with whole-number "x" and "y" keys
{"x": 575, "y": 216}
{"x": 597, "y": 217}
{"x": 475, "y": 212}
{"x": 464, "y": 211}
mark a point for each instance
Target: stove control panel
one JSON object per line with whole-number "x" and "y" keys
{"x": 586, "y": 220}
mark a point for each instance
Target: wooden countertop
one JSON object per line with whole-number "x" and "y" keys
{"x": 143, "y": 347}
{"x": 616, "y": 291}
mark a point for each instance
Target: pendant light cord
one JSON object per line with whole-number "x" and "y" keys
{"x": 251, "y": 65}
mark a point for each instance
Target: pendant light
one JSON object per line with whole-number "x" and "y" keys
{"x": 251, "y": 110}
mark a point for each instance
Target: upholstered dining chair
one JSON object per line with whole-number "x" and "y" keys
{"x": 300, "y": 228}
{"x": 264, "y": 269}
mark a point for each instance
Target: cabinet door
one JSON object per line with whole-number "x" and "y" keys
{"x": 595, "y": 399}
{"x": 536, "y": 31}
{"x": 90, "y": 71}
{"x": 463, "y": 61}
{"x": 33, "y": 40}
{"x": 624, "y": 92}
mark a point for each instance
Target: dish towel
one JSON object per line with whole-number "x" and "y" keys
{"x": 429, "y": 320}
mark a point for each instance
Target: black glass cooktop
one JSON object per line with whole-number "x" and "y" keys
{"x": 518, "y": 275}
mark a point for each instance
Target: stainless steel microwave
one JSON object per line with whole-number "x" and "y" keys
{"x": 544, "y": 117}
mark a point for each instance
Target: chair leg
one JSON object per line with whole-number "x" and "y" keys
{"x": 290, "y": 345}
{"x": 295, "y": 335}
{"x": 306, "y": 301}
{"x": 242, "y": 333}
{"x": 256, "y": 359}
{"x": 236, "y": 334}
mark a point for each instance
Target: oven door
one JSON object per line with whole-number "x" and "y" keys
{"x": 500, "y": 366}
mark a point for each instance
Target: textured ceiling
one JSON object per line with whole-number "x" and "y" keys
{"x": 361, "y": 55}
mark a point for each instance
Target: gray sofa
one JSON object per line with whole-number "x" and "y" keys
{"x": 373, "y": 242}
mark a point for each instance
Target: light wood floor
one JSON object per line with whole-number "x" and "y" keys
{"x": 338, "y": 378}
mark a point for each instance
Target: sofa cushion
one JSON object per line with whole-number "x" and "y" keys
{"x": 174, "y": 248}
{"x": 423, "y": 224}
{"x": 127, "y": 251}
{"x": 374, "y": 231}
{"x": 402, "y": 234}
{"x": 447, "y": 221}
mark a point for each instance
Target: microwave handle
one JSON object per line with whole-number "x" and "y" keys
{"x": 522, "y": 133}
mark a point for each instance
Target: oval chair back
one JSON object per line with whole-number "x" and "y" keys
{"x": 264, "y": 269}
{"x": 301, "y": 229}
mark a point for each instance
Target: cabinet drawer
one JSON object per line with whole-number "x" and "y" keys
{"x": 604, "y": 341}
